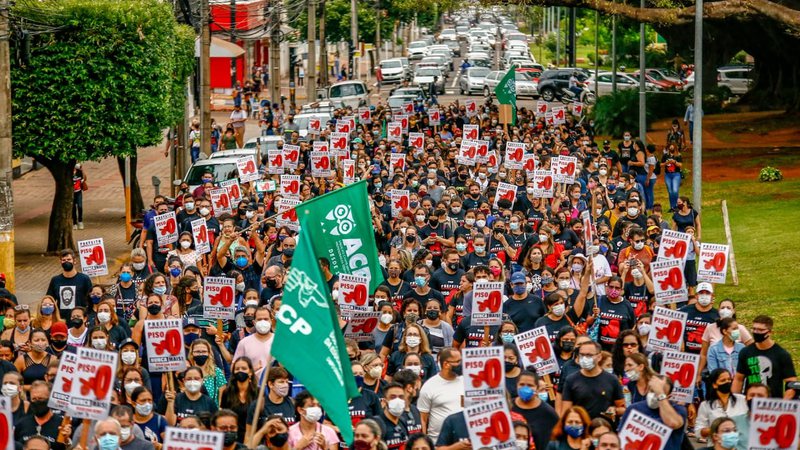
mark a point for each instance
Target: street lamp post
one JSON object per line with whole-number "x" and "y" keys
{"x": 697, "y": 132}
{"x": 642, "y": 83}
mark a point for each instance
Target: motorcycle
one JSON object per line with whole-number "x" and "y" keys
{"x": 586, "y": 97}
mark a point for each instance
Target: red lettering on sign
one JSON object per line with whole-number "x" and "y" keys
{"x": 67, "y": 384}
{"x": 398, "y": 164}
{"x": 395, "y": 131}
{"x": 783, "y": 432}
{"x": 250, "y": 167}
{"x": 471, "y": 152}
{"x": 650, "y": 442}
{"x": 483, "y": 149}
{"x": 491, "y": 374}
{"x": 541, "y": 349}
{"x": 717, "y": 262}
{"x": 351, "y": 170}
{"x": 498, "y": 429}
{"x": 99, "y": 384}
{"x": 233, "y": 191}
{"x": 344, "y": 128}
{"x": 508, "y": 195}
{"x": 5, "y": 431}
{"x": 516, "y": 155}
{"x": 676, "y": 251}
{"x": 171, "y": 343}
{"x": 222, "y": 203}
{"x": 547, "y": 183}
{"x": 417, "y": 142}
{"x": 672, "y": 332}
{"x": 492, "y": 303}
{"x": 314, "y": 124}
{"x": 340, "y": 143}
{"x": 673, "y": 280}
{"x": 367, "y": 326}
{"x": 277, "y": 162}
{"x": 530, "y": 165}
{"x": 290, "y": 215}
{"x": 683, "y": 376}
{"x": 293, "y": 187}
{"x": 492, "y": 160}
{"x": 401, "y": 203}
{"x": 169, "y": 227}
{"x": 323, "y": 163}
{"x": 97, "y": 256}
{"x": 224, "y": 297}
{"x": 358, "y": 295}
{"x": 202, "y": 234}
{"x": 292, "y": 156}
{"x": 569, "y": 169}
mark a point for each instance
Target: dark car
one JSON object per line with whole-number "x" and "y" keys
{"x": 552, "y": 81}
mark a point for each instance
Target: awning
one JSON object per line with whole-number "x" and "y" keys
{"x": 220, "y": 48}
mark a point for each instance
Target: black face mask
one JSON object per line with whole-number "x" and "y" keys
{"x": 39, "y": 408}
{"x": 411, "y": 239}
{"x": 240, "y": 376}
{"x": 67, "y": 266}
{"x": 272, "y": 283}
{"x": 452, "y": 266}
{"x": 724, "y": 388}
{"x": 760, "y": 337}
{"x": 75, "y": 323}
{"x": 568, "y": 346}
{"x": 434, "y": 222}
{"x": 230, "y": 438}
{"x": 153, "y": 309}
{"x": 58, "y": 344}
{"x": 509, "y": 366}
{"x": 457, "y": 370}
{"x": 200, "y": 360}
{"x": 249, "y": 322}
{"x": 279, "y": 440}
{"x": 432, "y": 314}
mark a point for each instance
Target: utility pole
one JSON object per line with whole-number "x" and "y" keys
{"x": 596, "y": 50}
{"x": 377, "y": 32}
{"x": 571, "y": 38}
{"x": 642, "y": 83}
{"x": 697, "y": 132}
{"x": 233, "y": 40}
{"x": 274, "y": 54}
{"x": 323, "y": 47}
{"x": 614, "y": 54}
{"x": 354, "y": 35}
{"x": 6, "y": 174}
{"x": 311, "y": 71}
{"x": 205, "y": 78}
{"x": 558, "y": 36}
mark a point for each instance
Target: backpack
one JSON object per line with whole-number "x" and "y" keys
{"x": 657, "y": 168}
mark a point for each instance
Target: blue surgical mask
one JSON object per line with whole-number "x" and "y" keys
{"x": 508, "y": 338}
{"x": 420, "y": 281}
{"x": 188, "y": 338}
{"x": 461, "y": 247}
{"x": 544, "y": 396}
{"x": 574, "y": 431}
{"x": 241, "y": 261}
{"x": 519, "y": 289}
{"x": 160, "y": 290}
{"x": 525, "y": 393}
{"x": 96, "y": 298}
{"x": 175, "y": 271}
{"x": 48, "y": 309}
{"x": 108, "y": 442}
{"x": 125, "y": 277}
{"x": 730, "y": 439}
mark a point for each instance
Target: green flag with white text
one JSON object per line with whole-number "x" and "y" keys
{"x": 340, "y": 227}
{"x": 506, "y": 92}
{"x": 308, "y": 341}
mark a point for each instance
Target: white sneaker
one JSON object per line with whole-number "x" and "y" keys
{"x": 74, "y": 226}
{"x": 80, "y": 225}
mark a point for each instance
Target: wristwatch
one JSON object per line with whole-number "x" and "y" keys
{"x": 661, "y": 397}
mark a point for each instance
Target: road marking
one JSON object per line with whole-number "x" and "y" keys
{"x": 455, "y": 78}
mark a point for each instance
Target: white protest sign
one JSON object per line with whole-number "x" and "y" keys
{"x": 712, "y": 263}
{"x": 288, "y": 213}
{"x": 63, "y": 382}
{"x": 291, "y": 155}
{"x": 471, "y": 132}
{"x": 275, "y": 161}
{"x": 320, "y": 164}
{"x": 397, "y": 164}
{"x": 94, "y": 375}
{"x": 674, "y": 245}
{"x": 435, "y": 117}
{"x": 588, "y": 228}
{"x": 487, "y": 304}
{"x": 536, "y": 350}
{"x": 400, "y": 201}
{"x": 218, "y": 298}
{"x": 541, "y": 108}
{"x": 348, "y": 171}
{"x": 234, "y": 192}
{"x": 515, "y": 151}
{"x": 202, "y": 241}
{"x": 505, "y": 191}
{"x": 472, "y": 110}
{"x": 320, "y": 146}
{"x": 467, "y": 152}
{"x": 364, "y": 115}
{"x": 166, "y": 228}
{"x": 529, "y": 164}
{"x": 642, "y": 432}
{"x": 667, "y": 330}
{"x": 314, "y": 125}
{"x": 290, "y": 185}
{"x": 489, "y": 425}
{"x": 484, "y": 374}
{"x": 416, "y": 140}
{"x": 564, "y": 169}
{"x": 164, "y": 339}
{"x": 340, "y": 141}
{"x": 186, "y": 439}
{"x": 361, "y": 325}
{"x": 394, "y": 131}
{"x": 248, "y": 169}
{"x": 543, "y": 184}
{"x": 220, "y": 201}
{"x": 492, "y": 162}
{"x": 93, "y": 257}
{"x": 353, "y": 294}
{"x": 482, "y": 151}
{"x": 774, "y": 424}
{"x": 668, "y": 280}
{"x": 682, "y": 369}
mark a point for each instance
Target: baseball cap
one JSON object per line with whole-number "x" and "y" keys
{"x": 58, "y": 329}
{"x": 517, "y": 277}
{"x": 704, "y": 286}
{"x": 125, "y": 342}
{"x": 190, "y": 322}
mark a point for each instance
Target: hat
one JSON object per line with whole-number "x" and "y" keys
{"x": 357, "y": 141}
{"x": 190, "y": 322}
{"x": 518, "y": 277}
{"x": 704, "y": 286}
{"x": 606, "y": 142}
{"x": 58, "y": 328}
{"x": 652, "y": 228}
{"x": 580, "y": 256}
{"x": 128, "y": 341}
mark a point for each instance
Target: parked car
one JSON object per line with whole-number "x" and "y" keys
{"x": 624, "y": 81}
{"x": 491, "y": 81}
{"x": 471, "y": 80}
{"x": 302, "y": 121}
{"x": 351, "y": 93}
{"x": 551, "y": 82}
{"x": 737, "y": 80}
{"x": 525, "y": 86}
{"x": 223, "y": 166}
{"x": 427, "y": 75}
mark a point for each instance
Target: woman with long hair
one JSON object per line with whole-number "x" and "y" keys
{"x": 106, "y": 318}
{"x": 414, "y": 340}
{"x": 627, "y": 343}
{"x": 240, "y": 391}
{"x": 572, "y": 431}
{"x": 638, "y": 372}
{"x": 719, "y": 402}
{"x": 201, "y": 354}
{"x": 33, "y": 364}
{"x": 46, "y": 314}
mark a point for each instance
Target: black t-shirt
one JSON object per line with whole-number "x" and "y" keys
{"x": 472, "y": 260}
{"x": 595, "y": 394}
{"x": 524, "y": 312}
{"x": 612, "y": 158}
{"x": 454, "y": 429}
{"x": 397, "y": 292}
{"x": 159, "y": 251}
{"x": 441, "y": 230}
{"x": 541, "y": 421}
{"x": 639, "y": 297}
{"x": 432, "y": 294}
{"x": 394, "y": 435}
{"x": 185, "y": 407}
{"x": 446, "y": 283}
{"x": 696, "y": 323}
{"x": 472, "y": 336}
{"x": 770, "y": 366}
{"x": 284, "y": 409}
{"x": 625, "y": 153}
{"x": 614, "y": 318}
{"x": 69, "y": 292}
{"x": 366, "y": 405}
{"x": 567, "y": 238}
{"x": 554, "y": 326}
{"x": 27, "y": 428}
{"x": 413, "y": 420}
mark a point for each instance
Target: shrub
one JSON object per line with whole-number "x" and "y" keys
{"x": 770, "y": 174}
{"x": 618, "y": 112}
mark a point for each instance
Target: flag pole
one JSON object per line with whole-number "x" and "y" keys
{"x": 259, "y": 401}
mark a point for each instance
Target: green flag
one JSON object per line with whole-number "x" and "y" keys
{"x": 506, "y": 92}
{"x": 340, "y": 226}
{"x": 308, "y": 341}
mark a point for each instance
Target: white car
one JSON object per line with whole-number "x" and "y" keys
{"x": 448, "y": 33}
{"x": 524, "y": 86}
{"x": 427, "y": 75}
{"x": 604, "y": 83}
{"x": 392, "y": 70}
{"x": 417, "y": 50}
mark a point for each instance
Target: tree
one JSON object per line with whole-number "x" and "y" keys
{"x": 765, "y": 29}
{"x": 108, "y": 79}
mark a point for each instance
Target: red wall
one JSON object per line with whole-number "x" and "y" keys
{"x": 249, "y": 15}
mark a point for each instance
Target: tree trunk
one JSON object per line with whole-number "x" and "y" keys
{"x": 59, "y": 233}
{"x": 137, "y": 203}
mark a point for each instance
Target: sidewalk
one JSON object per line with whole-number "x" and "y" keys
{"x": 103, "y": 214}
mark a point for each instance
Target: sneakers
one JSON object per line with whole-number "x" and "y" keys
{"x": 74, "y": 226}
{"x": 80, "y": 225}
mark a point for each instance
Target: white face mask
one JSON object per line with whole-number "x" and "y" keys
{"x": 704, "y": 300}
{"x": 724, "y": 313}
{"x": 644, "y": 329}
{"x": 396, "y": 406}
{"x": 652, "y": 400}
{"x": 240, "y": 287}
{"x": 416, "y": 369}
{"x": 413, "y": 341}
{"x": 542, "y": 238}
{"x": 130, "y": 387}
{"x": 313, "y": 413}
{"x": 204, "y": 211}
{"x": 386, "y": 318}
{"x": 586, "y": 362}
{"x": 530, "y": 190}
{"x": 193, "y": 386}
{"x": 189, "y": 206}
{"x": 633, "y": 211}
{"x": 558, "y": 310}
{"x": 636, "y": 273}
{"x": 420, "y": 218}
{"x": 138, "y": 266}
{"x": 99, "y": 344}
{"x": 186, "y": 244}
{"x": 128, "y": 357}
{"x": 603, "y": 172}
{"x": 638, "y": 245}
{"x": 469, "y": 221}
{"x": 10, "y": 390}
{"x": 480, "y": 223}
{"x": 521, "y": 445}
{"x": 263, "y": 326}
{"x": 563, "y": 284}
{"x": 104, "y": 317}
{"x": 250, "y": 214}
{"x": 125, "y": 433}
{"x": 376, "y": 372}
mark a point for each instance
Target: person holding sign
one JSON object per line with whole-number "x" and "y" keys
{"x": 42, "y": 420}
{"x": 531, "y": 403}
{"x": 658, "y": 407}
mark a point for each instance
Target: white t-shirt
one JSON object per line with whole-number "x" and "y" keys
{"x": 440, "y": 398}
{"x": 241, "y": 114}
{"x": 601, "y": 269}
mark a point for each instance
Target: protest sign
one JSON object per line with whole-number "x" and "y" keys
{"x": 320, "y": 164}
{"x": 348, "y": 171}
{"x": 63, "y": 382}
{"x": 218, "y": 298}
{"x": 321, "y": 146}
{"x": 6, "y": 424}
{"x": 471, "y": 132}
{"x": 682, "y": 369}
{"x": 364, "y": 115}
{"x": 234, "y": 192}
{"x": 467, "y": 152}
{"x": 774, "y": 424}
{"x": 93, "y": 257}
{"x": 674, "y": 245}
{"x": 484, "y": 374}
{"x": 668, "y": 281}
{"x": 248, "y": 169}
{"x": 275, "y": 162}
{"x": 543, "y": 184}
{"x": 288, "y": 215}
{"x": 394, "y": 131}
{"x": 291, "y": 155}
{"x": 166, "y": 228}
{"x": 220, "y": 201}
{"x": 361, "y": 325}
{"x": 400, "y": 201}
{"x": 290, "y": 185}
{"x": 642, "y": 432}
{"x": 487, "y": 304}
{"x": 353, "y": 294}
{"x": 489, "y": 425}
{"x": 505, "y": 191}
{"x": 482, "y": 151}
{"x": 202, "y": 241}
{"x": 164, "y": 340}
{"x": 339, "y": 141}
{"x": 416, "y": 140}
{"x": 435, "y": 117}
{"x": 667, "y": 330}
{"x": 189, "y": 439}
{"x": 94, "y": 380}
{"x": 397, "y": 164}
{"x": 536, "y": 350}
{"x": 712, "y": 264}
{"x": 564, "y": 169}
{"x": 529, "y": 164}
{"x": 514, "y": 154}
{"x": 472, "y": 110}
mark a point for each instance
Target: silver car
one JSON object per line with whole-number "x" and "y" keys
{"x": 427, "y": 75}
{"x": 524, "y": 85}
{"x": 471, "y": 80}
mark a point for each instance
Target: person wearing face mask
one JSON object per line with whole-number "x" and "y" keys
{"x": 225, "y": 421}
{"x": 185, "y": 252}
{"x": 640, "y": 291}
{"x": 634, "y": 214}
{"x": 42, "y": 420}
{"x": 414, "y": 340}
{"x": 447, "y": 278}
{"x": 422, "y": 290}
{"x": 129, "y": 360}
{"x": 592, "y": 388}
{"x": 309, "y": 433}
{"x": 558, "y": 316}
{"x": 658, "y": 407}
{"x": 713, "y": 334}
{"x": 615, "y": 315}
{"x": 258, "y": 346}
{"x": 726, "y": 433}
{"x": 153, "y": 310}
{"x": 130, "y": 437}
{"x": 107, "y": 434}
{"x": 467, "y": 229}
{"x": 634, "y": 254}
{"x": 47, "y": 314}
{"x": 240, "y": 392}
{"x": 479, "y": 257}
{"x": 192, "y": 401}
{"x": 572, "y": 431}
{"x": 442, "y": 394}
{"x": 522, "y": 306}
{"x": 532, "y": 404}
{"x": 395, "y": 430}
{"x": 247, "y": 317}
{"x": 106, "y": 318}
{"x": 273, "y": 284}
{"x": 77, "y": 334}
{"x": 17, "y": 324}
{"x": 130, "y": 378}
{"x": 98, "y": 339}
{"x": 724, "y": 354}
{"x": 125, "y": 293}
{"x": 202, "y": 355}
{"x": 765, "y": 361}
{"x": 440, "y": 331}
{"x": 275, "y": 432}
{"x": 719, "y": 402}
{"x": 12, "y": 383}
{"x": 551, "y": 250}
{"x": 70, "y": 288}
{"x": 277, "y": 403}
{"x": 638, "y": 372}
{"x": 700, "y": 315}
{"x": 511, "y": 365}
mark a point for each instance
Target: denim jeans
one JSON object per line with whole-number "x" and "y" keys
{"x": 649, "y": 195}
{"x": 195, "y": 153}
{"x": 673, "y": 182}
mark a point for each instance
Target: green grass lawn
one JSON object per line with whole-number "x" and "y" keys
{"x": 766, "y": 240}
